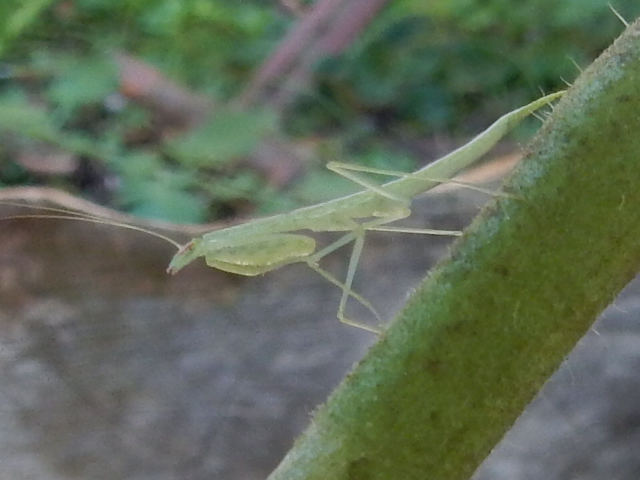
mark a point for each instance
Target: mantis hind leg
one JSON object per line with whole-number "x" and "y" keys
{"x": 348, "y": 171}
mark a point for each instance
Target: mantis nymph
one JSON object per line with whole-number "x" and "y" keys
{"x": 265, "y": 244}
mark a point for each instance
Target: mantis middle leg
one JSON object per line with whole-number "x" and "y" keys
{"x": 357, "y": 236}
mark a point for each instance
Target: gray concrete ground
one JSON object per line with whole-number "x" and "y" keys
{"x": 112, "y": 370}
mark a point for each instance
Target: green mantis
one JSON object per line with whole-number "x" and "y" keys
{"x": 265, "y": 244}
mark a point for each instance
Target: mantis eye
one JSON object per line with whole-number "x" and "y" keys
{"x": 262, "y": 255}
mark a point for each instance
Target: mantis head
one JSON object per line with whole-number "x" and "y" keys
{"x": 187, "y": 253}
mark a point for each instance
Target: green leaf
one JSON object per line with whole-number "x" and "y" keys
{"x": 159, "y": 199}
{"x": 322, "y": 185}
{"x": 226, "y": 137}
{"x": 18, "y": 115}
{"x": 164, "y": 17}
{"x": 141, "y": 165}
{"x": 242, "y": 186}
{"x": 17, "y": 17}
{"x": 86, "y": 82}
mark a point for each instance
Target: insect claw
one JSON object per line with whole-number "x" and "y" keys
{"x": 354, "y": 323}
{"x": 617, "y": 14}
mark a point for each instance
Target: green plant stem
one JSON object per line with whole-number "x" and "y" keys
{"x": 488, "y": 327}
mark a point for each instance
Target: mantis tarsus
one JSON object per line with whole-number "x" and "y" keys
{"x": 265, "y": 244}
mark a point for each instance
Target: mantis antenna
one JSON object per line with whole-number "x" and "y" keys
{"x": 64, "y": 214}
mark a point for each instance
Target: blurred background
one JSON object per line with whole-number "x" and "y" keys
{"x": 192, "y": 115}
{"x": 194, "y": 111}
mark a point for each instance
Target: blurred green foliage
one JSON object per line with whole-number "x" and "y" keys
{"x": 427, "y": 65}
{"x": 420, "y": 67}
{"x": 209, "y": 44}
{"x": 229, "y": 135}
{"x": 182, "y": 179}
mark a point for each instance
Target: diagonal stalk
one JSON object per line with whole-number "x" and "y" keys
{"x": 481, "y": 336}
